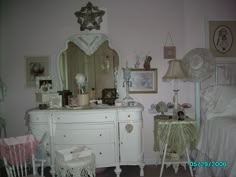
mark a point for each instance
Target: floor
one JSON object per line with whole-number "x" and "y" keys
{"x": 133, "y": 171}
{"x": 149, "y": 171}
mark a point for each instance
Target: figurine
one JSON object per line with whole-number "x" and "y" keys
{"x": 147, "y": 61}
{"x": 137, "y": 62}
{"x": 181, "y": 115}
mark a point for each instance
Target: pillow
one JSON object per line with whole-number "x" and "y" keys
{"x": 230, "y": 110}
{"x": 215, "y": 99}
{"x": 208, "y": 99}
{"x": 225, "y": 94}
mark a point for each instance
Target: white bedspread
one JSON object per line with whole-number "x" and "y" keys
{"x": 217, "y": 143}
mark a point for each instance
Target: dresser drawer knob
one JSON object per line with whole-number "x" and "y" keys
{"x": 128, "y": 115}
{"x": 100, "y": 135}
{"x": 105, "y": 117}
{"x": 58, "y": 118}
{"x": 64, "y": 136}
{"x": 100, "y": 153}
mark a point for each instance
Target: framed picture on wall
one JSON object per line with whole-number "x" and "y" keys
{"x": 226, "y": 74}
{"x": 169, "y": 52}
{"x": 143, "y": 81}
{"x": 36, "y": 66}
{"x": 222, "y": 37}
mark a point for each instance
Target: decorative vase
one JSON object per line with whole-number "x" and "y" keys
{"x": 83, "y": 99}
{"x": 127, "y": 82}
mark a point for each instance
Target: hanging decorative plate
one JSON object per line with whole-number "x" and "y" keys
{"x": 161, "y": 107}
{"x": 198, "y": 64}
{"x": 186, "y": 105}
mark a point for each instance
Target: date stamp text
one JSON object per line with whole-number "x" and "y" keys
{"x": 208, "y": 164}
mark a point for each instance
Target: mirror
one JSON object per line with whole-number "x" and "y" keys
{"x": 91, "y": 55}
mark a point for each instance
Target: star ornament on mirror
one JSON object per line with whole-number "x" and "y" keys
{"x": 89, "y": 17}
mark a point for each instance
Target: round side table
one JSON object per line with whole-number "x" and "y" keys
{"x": 82, "y": 167}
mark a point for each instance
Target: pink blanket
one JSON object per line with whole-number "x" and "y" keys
{"x": 17, "y": 150}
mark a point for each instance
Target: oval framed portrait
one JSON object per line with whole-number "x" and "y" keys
{"x": 223, "y": 39}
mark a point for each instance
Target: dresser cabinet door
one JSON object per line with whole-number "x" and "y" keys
{"x": 131, "y": 144}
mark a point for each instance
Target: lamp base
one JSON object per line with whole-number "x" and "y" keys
{"x": 175, "y": 100}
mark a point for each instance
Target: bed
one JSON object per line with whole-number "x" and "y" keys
{"x": 217, "y": 137}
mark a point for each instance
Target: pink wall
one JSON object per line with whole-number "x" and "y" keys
{"x": 41, "y": 28}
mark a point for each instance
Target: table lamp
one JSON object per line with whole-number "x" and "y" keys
{"x": 175, "y": 73}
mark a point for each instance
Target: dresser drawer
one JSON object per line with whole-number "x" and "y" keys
{"x": 84, "y": 117}
{"x": 37, "y": 117}
{"x": 39, "y": 129}
{"x": 105, "y": 153}
{"x": 84, "y": 134}
{"x": 127, "y": 115}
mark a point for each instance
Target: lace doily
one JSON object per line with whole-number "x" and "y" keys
{"x": 82, "y": 167}
{"x": 89, "y": 43}
{"x": 198, "y": 64}
{"x": 182, "y": 134}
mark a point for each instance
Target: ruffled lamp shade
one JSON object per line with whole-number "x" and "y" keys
{"x": 175, "y": 71}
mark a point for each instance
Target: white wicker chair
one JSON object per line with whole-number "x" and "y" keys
{"x": 18, "y": 156}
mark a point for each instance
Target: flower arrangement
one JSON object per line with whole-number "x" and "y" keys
{"x": 83, "y": 97}
{"x": 80, "y": 80}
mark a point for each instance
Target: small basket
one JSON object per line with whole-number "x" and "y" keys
{"x": 172, "y": 156}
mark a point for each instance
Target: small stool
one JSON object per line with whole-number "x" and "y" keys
{"x": 82, "y": 167}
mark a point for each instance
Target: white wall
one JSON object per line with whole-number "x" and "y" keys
{"x": 41, "y": 28}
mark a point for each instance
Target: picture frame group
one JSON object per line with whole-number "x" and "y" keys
{"x": 143, "y": 81}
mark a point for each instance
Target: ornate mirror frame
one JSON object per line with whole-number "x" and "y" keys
{"x": 88, "y": 43}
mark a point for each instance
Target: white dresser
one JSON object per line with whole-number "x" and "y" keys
{"x": 113, "y": 133}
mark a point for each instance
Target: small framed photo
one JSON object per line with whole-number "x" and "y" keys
{"x": 143, "y": 81}
{"x": 222, "y": 37}
{"x": 109, "y": 96}
{"x": 44, "y": 84}
{"x": 169, "y": 52}
{"x": 36, "y": 66}
{"x": 55, "y": 100}
{"x": 225, "y": 74}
